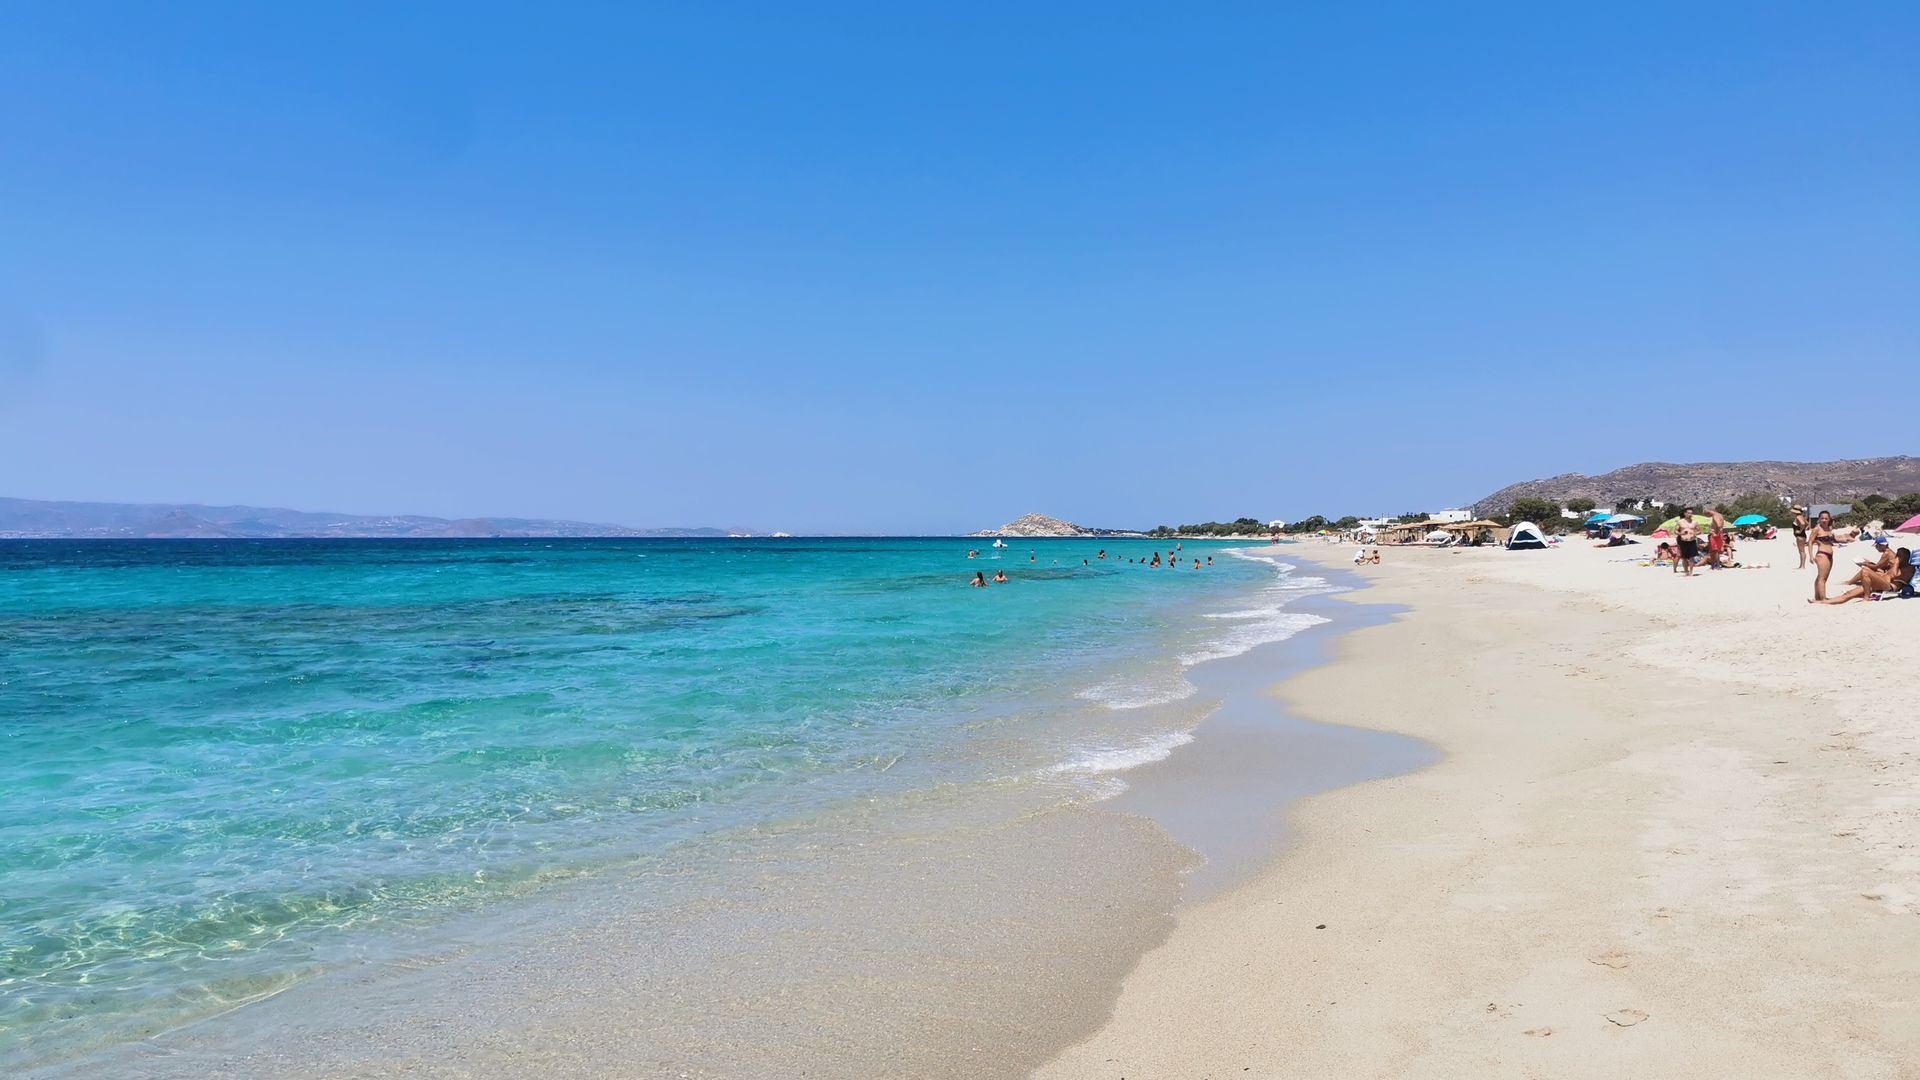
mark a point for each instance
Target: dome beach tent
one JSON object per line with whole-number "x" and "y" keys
{"x": 1526, "y": 536}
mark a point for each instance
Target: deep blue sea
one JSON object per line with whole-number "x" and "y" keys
{"x": 223, "y": 762}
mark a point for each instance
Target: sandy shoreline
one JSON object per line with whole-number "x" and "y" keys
{"x": 1675, "y": 835}
{"x": 963, "y": 929}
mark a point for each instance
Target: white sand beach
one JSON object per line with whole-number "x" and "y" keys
{"x": 1676, "y": 834}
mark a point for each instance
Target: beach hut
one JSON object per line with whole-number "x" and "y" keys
{"x": 1526, "y": 536}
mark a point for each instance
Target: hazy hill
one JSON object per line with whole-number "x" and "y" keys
{"x": 1711, "y": 482}
{"x": 29, "y": 518}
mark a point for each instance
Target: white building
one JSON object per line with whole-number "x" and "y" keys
{"x": 1451, "y": 515}
{"x": 1276, "y": 524}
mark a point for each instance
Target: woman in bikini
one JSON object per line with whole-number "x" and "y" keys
{"x": 1800, "y": 527}
{"x": 1872, "y": 580}
{"x": 1822, "y": 555}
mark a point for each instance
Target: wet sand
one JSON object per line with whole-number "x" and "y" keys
{"x": 971, "y": 930}
{"x": 1673, "y": 836}
{"x": 1227, "y": 794}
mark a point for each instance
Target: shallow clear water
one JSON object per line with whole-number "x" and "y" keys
{"x": 225, "y": 762}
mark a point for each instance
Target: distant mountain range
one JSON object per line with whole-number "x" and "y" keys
{"x": 32, "y": 519}
{"x": 1711, "y": 482}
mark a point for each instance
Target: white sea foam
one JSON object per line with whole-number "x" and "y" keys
{"x": 1265, "y": 623}
{"x": 1111, "y": 759}
{"x": 1262, "y": 624}
{"x": 1123, "y": 692}
{"x": 1264, "y": 628}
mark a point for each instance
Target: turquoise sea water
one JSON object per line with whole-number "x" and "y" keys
{"x": 225, "y": 762}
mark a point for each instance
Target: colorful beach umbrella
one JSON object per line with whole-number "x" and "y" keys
{"x": 1912, "y": 524}
{"x": 1750, "y": 519}
{"x": 1624, "y": 519}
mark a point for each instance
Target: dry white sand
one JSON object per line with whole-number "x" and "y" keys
{"x": 1677, "y": 834}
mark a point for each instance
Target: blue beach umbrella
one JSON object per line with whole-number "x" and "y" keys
{"x": 1750, "y": 519}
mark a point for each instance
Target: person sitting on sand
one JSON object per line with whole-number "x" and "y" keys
{"x": 979, "y": 579}
{"x": 1373, "y": 559}
{"x": 1870, "y": 580}
{"x": 1359, "y": 555}
{"x": 999, "y": 576}
{"x": 1883, "y": 564}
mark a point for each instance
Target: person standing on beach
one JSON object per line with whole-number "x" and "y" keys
{"x": 1800, "y": 527}
{"x": 1687, "y": 531}
{"x": 1822, "y": 554}
{"x": 1717, "y": 539}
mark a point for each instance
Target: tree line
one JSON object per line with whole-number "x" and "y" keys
{"x": 1891, "y": 509}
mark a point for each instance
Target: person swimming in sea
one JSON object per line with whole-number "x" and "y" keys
{"x": 1156, "y": 560}
{"x": 979, "y": 579}
{"x": 1209, "y": 560}
{"x": 1102, "y": 555}
{"x": 999, "y": 576}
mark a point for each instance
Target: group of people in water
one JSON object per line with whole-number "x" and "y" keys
{"x": 1155, "y": 562}
{"x": 1814, "y": 539}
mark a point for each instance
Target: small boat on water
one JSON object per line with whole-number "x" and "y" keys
{"x": 997, "y": 542}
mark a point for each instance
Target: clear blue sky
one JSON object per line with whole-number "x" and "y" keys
{"x": 830, "y": 267}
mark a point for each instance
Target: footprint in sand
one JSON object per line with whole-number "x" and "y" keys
{"x": 1625, "y": 1017}
{"x": 1612, "y": 958}
{"x": 1539, "y": 1032}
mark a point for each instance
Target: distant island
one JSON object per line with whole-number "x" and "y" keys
{"x": 29, "y": 519}
{"x": 1040, "y": 525}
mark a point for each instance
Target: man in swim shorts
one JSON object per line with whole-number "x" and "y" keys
{"x": 1687, "y": 531}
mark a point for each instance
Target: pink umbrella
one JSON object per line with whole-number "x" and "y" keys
{"x": 1912, "y": 524}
